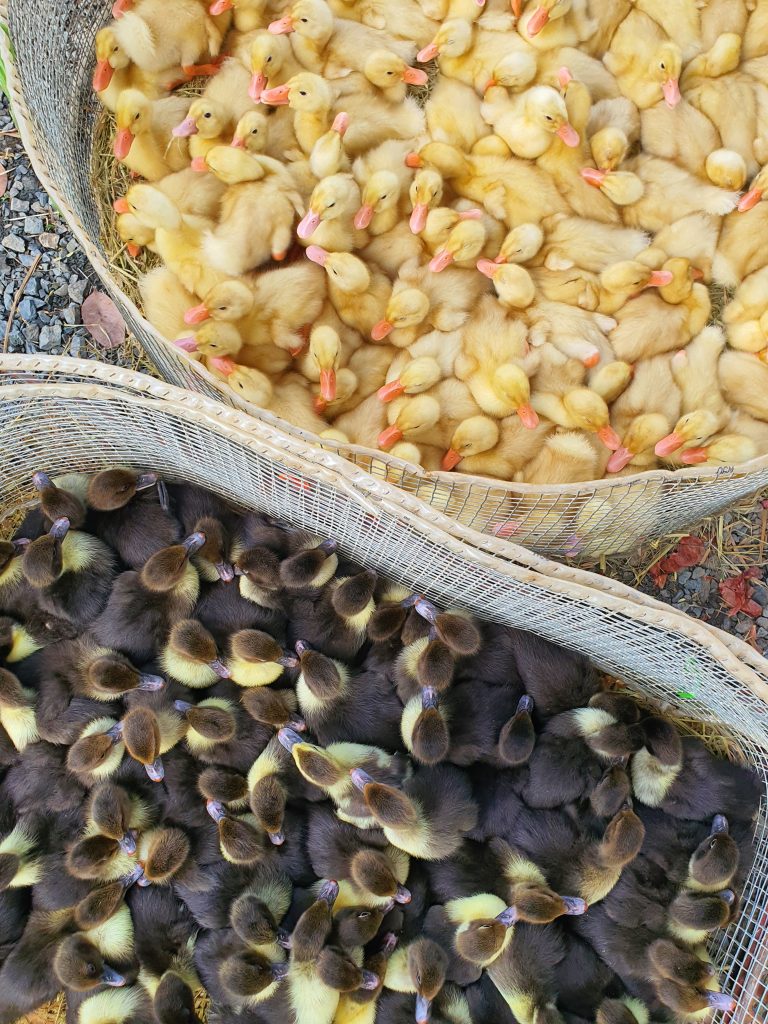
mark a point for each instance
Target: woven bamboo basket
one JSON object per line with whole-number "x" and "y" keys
{"x": 66, "y": 415}
{"x": 61, "y": 124}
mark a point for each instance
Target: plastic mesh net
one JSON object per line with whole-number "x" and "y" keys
{"x": 65, "y": 422}
{"x": 53, "y": 100}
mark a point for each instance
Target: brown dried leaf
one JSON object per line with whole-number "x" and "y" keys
{"x": 103, "y": 321}
{"x": 3, "y": 180}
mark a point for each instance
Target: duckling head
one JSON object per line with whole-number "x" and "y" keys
{"x": 464, "y": 242}
{"x": 632, "y": 276}
{"x": 216, "y": 338}
{"x": 133, "y": 117}
{"x": 426, "y": 191}
{"x": 89, "y": 858}
{"x": 252, "y": 920}
{"x": 325, "y": 352}
{"x": 164, "y": 853}
{"x": 214, "y": 719}
{"x": 381, "y": 192}
{"x": 692, "y": 1002}
{"x": 546, "y": 109}
{"x": 664, "y": 70}
{"x": 57, "y": 503}
{"x": 330, "y": 200}
{"x": 99, "y": 748}
{"x": 43, "y": 562}
{"x": 141, "y": 735}
{"x": 480, "y": 941}
{"x": 512, "y": 283}
{"x": 114, "y": 488}
{"x": 10, "y": 550}
{"x": 267, "y": 55}
{"x": 339, "y": 971}
{"x": 588, "y": 411}
{"x": 671, "y": 961}
{"x": 453, "y": 39}
{"x": 134, "y": 235}
{"x": 424, "y": 728}
{"x": 165, "y": 570}
{"x": 230, "y": 300}
{"x": 205, "y": 118}
{"x": 644, "y": 432}
{"x": 212, "y": 558}
{"x": 79, "y": 965}
{"x": 701, "y": 912}
{"x": 222, "y": 784}
{"x": 407, "y": 308}
{"x": 384, "y": 69}
{"x": 715, "y": 860}
{"x": 622, "y": 839}
{"x": 427, "y": 967}
{"x": 103, "y": 901}
{"x": 724, "y": 451}
{"x": 251, "y": 132}
{"x": 513, "y": 384}
{"x": 272, "y": 707}
{"x": 457, "y": 631}
{"x": 239, "y": 841}
{"x": 247, "y": 974}
{"x": 110, "y": 57}
{"x": 313, "y": 567}
{"x": 190, "y": 640}
{"x": 372, "y": 871}
{"x": 514, "y": 71}
{"x": 609, "y": 147}
{"x": 354, "y": 595}
{"x": 389, "y": 806}
{"x": 151, "y": 207}
{"x": 268, "y": 800}
{"x": 473, "y": 436}
{"x": 233, "y": 164}
{"x": 518, "y": 737}
{"x": 693, "y": 429}
{"x": 419, "y": 375}
{"x": 409, "y": 416}
{"x": 683, "y": 277}
{"x": 613, "y": 791}
{"x": 345, "y": 271}
{"x": 356, "y": 927}
{"x": 315, "y": 764}
{"x": 256, "y": 647}
{"x": 521, "y": 244}
{"x": 110, "y": 809}
{"x": 726, "y": 169}
{"x": 325, "y": 678}
{"x": 174, "y": 1000}
{"x": 310, "y": 18}
{"x": 305, "y": 92}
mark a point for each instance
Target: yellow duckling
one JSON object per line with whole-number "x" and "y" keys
{"x": 637, "y": 446}
{"x": 645, "y": 62}
{"x": 330, "y": 219}
{"x": 206, "y": 125}
{"x": 271, "y": 62}
{"x": 322, "y": 360}
{"x": 144, "y": 142}
{"x": 115, "y": 72}
{"x": 358, "y": 295}
{"x": 625, "y": 279}
{"x": 512, "y": 283}
{"x": 391, "y": 75}
{"x": 247, "y": 15}
{"x": 547, "y": 24}
{"x": 724, "y": 450}
{"x": 175, "y": 34}
{"x": 464, "y": 243}
{"x": 468, "y": 53}
{"x": 409, "y": 418}
{"x": 579, "y": 409}
{"x": 416, "y": 376}
{"x": 745, "y": 315}
{"x": 500, "y": 448}
{"x": 530, "y": 124}
{"x": 328, "y": 154}
{"x": 425, "y": 193}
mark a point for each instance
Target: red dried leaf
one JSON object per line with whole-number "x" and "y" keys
{"x": 737, "y": 593}
{"x": 658, "y": 577}
{"x": 103, "y": 321}
{"x": 689, "y": 552}
{"x": 3, "y": 180}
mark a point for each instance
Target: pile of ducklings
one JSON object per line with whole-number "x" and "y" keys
{"x": 231, "y": 758}
{"x": 508, "y": 279}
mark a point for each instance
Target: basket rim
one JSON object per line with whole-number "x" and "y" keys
{"x": 375, "y": 495}
{"x": 25, "y": 123}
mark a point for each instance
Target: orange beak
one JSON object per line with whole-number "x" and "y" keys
{"x": 414, "y": 161}
{"x": 119, "y": 7}
{"x": 750, "y": 199}
{"x": 659, "y": 279}
{"x": 697, "y": 274}
{"x": 389, "y": 437}
{"x": 488, "y": 267}
{"x": 123, "y": 143}
{"x": 418, "y": 219}
{"x": 363, "y": 217}
{"x": 196, "y": 314}
{"x": 609, "y": 437}
{"x": 257, "y": 86}
{"x": 593, "y": 176}
{"x": 489, "y": 84}
{"x": 669, "y": 444}
{"x": 428, "y": 53}
{"x": 440, "y": 261}
{"x": 528, "y": 416}
{"x": 390, "y": 391}
{"x": 415, "y": 76}
{"x": 237, "y": 142}
{"x": 220, "y": 7}
{"x": 133, "y": 250}
{"x": 450, "y": 461}
{"x": 380, "y": 330}
{"x": 121, "y": 206}
{"x": 199, "y": 165}
{"x": 537, "y": 21}
{"x": 568, "y": 134}
{"x": 278, "y": 97}
{"x": 517, "y": 7}
{"x": 620, "y": 458}
{"x": 591, "y": 360}
{"x": 328, "y": 385}
{"x": 694, "y": 456}
{"x": 102, "y": 76}
{"x": 281, "y": 27}
{"x": 672, "y": 94}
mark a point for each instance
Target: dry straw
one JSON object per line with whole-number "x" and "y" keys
{"x": 57, "y": 115}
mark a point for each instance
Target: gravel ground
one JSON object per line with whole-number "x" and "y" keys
{"x": 33, "y": 236}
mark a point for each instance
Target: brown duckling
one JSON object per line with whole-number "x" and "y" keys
{"x": 622, "y": 1011}
{"x": 235, "y": 976}
{"x": 56, "y": 502}
{"x": 330, "y": 770}
{"x": 79, "y": 965}
{"x": 693, "y": 916}
{"x": 191, "y": 656}
{"x": 130, "y": 513}
{"x": 163, "y": 853}
{"x": 71, "y": 572}
{"x": 310, "y": 999}
{"x": 275, "y": 708}
{"x": 256, "y": 913}
{"x": 101, "y": 858}
{"x": 19, "y": 864}
{"x": 306, "y": 572}
{"x": 239, "y": 840}
{"x": 256, "y": 659}
{"x": 526, "y": 974}
{"x": 271, "y": 780}
{"x": 680, "y": 776}
{"x": 148, "y": 734}
{"x": 17, "y": 710}
{"x": 427, "y": 816}
{"x": 224, "y": 785}
{"x": 104, "y": 900}
{"x": 211, "y": 722}
{"x": 98, "y": 751}
{"x": 16, "y": 593}
{"x": 668, "y": 960}
{"x": 337, "y": 623}
{"x": 174, "y": 1000}
{"x": 144, "y": 605}
{"x": 557, "y": 679}
{"x": 457, "y": 630}
{"x": 690, "y": 1003}
{"x": 360, "y": 1006}
{"x": 213, "y": 560}
{"x": 130, "y": 1005}
{"x": 419, "y": 968}
{"x": 118, "y": 814}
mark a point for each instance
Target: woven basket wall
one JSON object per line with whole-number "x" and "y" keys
{"x": 58, "y": 116}
{"x": 64, "y": 415}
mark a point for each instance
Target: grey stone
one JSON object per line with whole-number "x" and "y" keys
{"x": 14, "y": 243}
{"x": 49, "y": 240}
{"x": 50, "y": 337}
{"x": 698, "y": 572}
{"x": 69, "y": 315}
{"x": 62, "y": 291}
{"x": 18, "y": 205}
{"x": 27, "y": 309}
{"x": 76, "y": 289}
{"x": 34, "y": 225}
{"x": 74, "y": 348}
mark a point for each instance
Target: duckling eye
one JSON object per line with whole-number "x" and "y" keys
{"x": 222, "y": 309}
{"x": 330, "y": 205}
{"x": 115, "y": 49}
{"x": 483, "y": 927}
{"x": 90, "y": 970}
{"x": 334, "y": 272}
{"x": 548, "y": 117}
{"x": 662, "y": 65}
{"x": 269, "y": 60}
{"x": 207, "y": 114}
{"x": 418, "y": 978}
{"x": 713, "y": 844}
{"x": 302, "y": 92}
{"x": 255, "y": 131}
{"x": 136, "y": 117}
{"x": 304, "y": 21}
{"x": 390, "y": 73}
{"x": 383, "y": 197}
{"x": 364, "y": 915}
